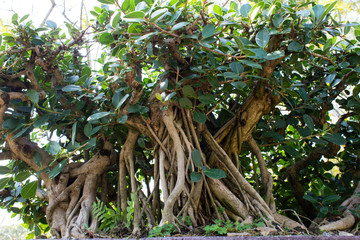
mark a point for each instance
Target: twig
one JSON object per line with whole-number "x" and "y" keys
{"x": 323, "y": 57}
{"x": 48, "y": 13}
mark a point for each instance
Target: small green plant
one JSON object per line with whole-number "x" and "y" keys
{"x": 162, "y": 231}
{"x": 222, "y": 227}
{"x": 107, "y": 217}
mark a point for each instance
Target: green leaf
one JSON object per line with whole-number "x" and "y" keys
{"x": 122, "y": 119}
{"x": 107, "y": 1}
{"x": 245, "y": 9}
{"x": 22, "y": 176}
{"x": 95, "y": 130}
{"x": 236, "y": 67}
{"x": 214, "y": 82}
{"x": 330, "y": 199}
{"x": 251, "y": 64}
{"x": 38, "y": 159}
{"x": 295, "y": 46}
{"x": 207, "y": 99}
{"x": 51, "y": 24}
{"x": 277, "y": 20}
{"x": 217, "y": 9}
{"x": 309, "y": 122}
{"x": 106, "y": 38}
{"x": 318, "y": 11}
{"x": 20, "y": 133}
{"x": 195, "y": 177}
{"x": 4, "y": 181}
{"x": 73, "y": 134}
{"x": 98, "y": 115}
{"x": 328, "y": 8}
{"x": 196, "y": 157}
{"x": 335, "y": 138}
{"x": 29, "y": 190}
{"x": 116, "y": 20}
{"x": 37, "y": 230}
{"x": 4, "y": 170}
{"x": 356, "y": 92}
{"x": 310, "y": 198}
{"x": 208, "y": 31}
{"x": 57, "y": 170}
{"x": 215, "y": 173}
{"x": 53, "y": 147}
{"x": 292, "y": 151}
{"x": 330, "y": 78}
{"x": 136, "y": 14}
{"x": 33, "y": 96}
{"x": 87, "y": 129}
{"x": 71, "y": 88}
{"x": 275, "y": 55}
{"x": 141, "y": 142}
{"x": 239, "y": 85}
{"x": 14, "y": 19}
{"x": 36, "y": 40}
{"x": 157, "y": 14}
{"x": 185, "y": 103}
{"x": 121, "y": 102}
{"x": 188, "y": 91}
{"x": 41, "y": 121}
{"x": 262, "y": 38}
{"x": 200, "y": 117}
{"x": 179, "y": 25}
{"x": 10, "y": 123}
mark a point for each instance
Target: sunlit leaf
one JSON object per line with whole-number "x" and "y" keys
{"x": 29, "y": 190}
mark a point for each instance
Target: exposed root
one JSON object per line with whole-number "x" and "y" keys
{"x": 349, "y": 219}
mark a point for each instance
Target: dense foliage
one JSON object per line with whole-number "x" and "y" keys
{"x": 195, "y": 112}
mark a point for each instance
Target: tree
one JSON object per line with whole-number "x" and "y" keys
{"x": 188, "y": 96}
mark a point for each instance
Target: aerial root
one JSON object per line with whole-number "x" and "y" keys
{"x": 344, "y": 223}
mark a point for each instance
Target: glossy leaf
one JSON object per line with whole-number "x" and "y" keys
{"x": 335, "y": 138}
{"x": 215, "y": 173}
{"x": 200, "y": 117}
{"x": 98, "y": 115}
{"x": 73, "y": 133}
{"x": 38, "y": 159}
{"x": 57, "y": 169}
{"x": 195, "y": 177}
{"x": 4, "y": 170}
{"x": 135, "y": 14}
{"x": 51, "y": 24}
{"x": 106, "y": 38}
{"x": 295, "y": 46}
{"x": 4, "y": 181}
{"x": 71, "y": 88}
{"x": 196, "y": 157}
{"x": 179, "y": 26}
{"x": 188, "y": 91}
{"x": 262, "y": 38}
{"x": 309, "y": 122}
{"x": 107, "y": 1}
{"x": 22, "y": 176}
{"x": 33, "y": 96}
{"x": 245, "y": 9}
{"x": 208, "y": 31}
{"x": 277, "y": 20}
{"x": 236, "y": 67}
{"x": 185, "y": 103}
{"x": 29, "y": 190}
